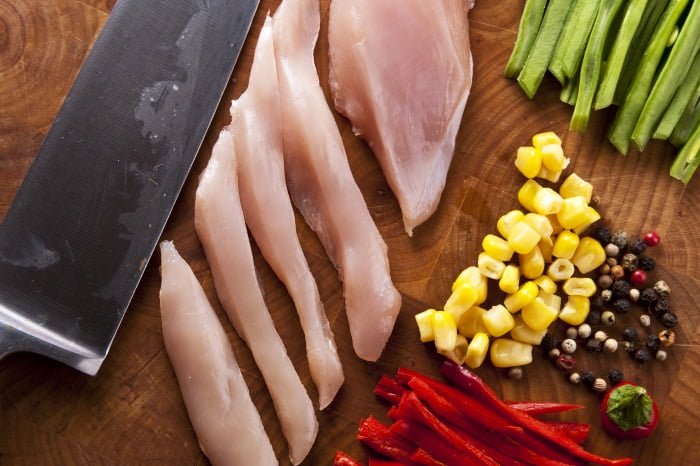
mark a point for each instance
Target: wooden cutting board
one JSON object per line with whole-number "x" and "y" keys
{"x": 132, "y": 412}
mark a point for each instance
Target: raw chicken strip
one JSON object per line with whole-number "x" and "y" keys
{"x": 268, "y": 210}
{"x": 220, "y": 226}
{"x": 401, "y": 72}
{"x": 322, "y": 186}
{"x": 228, "y": 426}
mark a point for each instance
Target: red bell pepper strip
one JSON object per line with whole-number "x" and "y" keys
{"x": 470, "y": 383}
{"x": 381, "y": 462}
{"x": 430, "y": 442}
{"x": 379, "y": 438}
{"x": 343, "y": 459}
{"x": 535, "y": 408}
{"x": 389, "y": 389}
{"x": 421, "y": 456}
{"x": 577, "y": 431}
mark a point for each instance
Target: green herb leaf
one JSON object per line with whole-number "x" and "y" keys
{"x": 629, "y": 406}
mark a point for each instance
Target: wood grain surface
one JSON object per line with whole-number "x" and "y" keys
{"x": 132, "y": 412}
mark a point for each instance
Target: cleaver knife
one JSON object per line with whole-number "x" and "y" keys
{"x": 83, "y": 225}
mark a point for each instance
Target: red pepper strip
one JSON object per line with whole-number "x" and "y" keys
{"x": 430, "y": 442}
{"x": 380, "y": 462}
{"x": 389, "y": 389}
{"x": 423, "y": 457}
{"x": 411, "y": 408}
{"x": 343, "y": 459}
{"x": 577, "y": 431}
{"x": 377, "y": 436}
{"x": 470, "y": 383}
{"x": 535, "y": 408}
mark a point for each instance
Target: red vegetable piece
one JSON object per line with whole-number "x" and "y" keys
{"x": 423, "y": 457}
{"x": 576, "y": 431}
{"x": 377, "y": 436}
{"x": 382, "y": 462}
{"x": 343, "y": 459}
{"x": 389, "y": 389}
{"x": 535, "y": 408}
{"x": 430, "y": 442}
{"x": 636, "y": 431}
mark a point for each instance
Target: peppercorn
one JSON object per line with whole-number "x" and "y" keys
{"x": 642, "y": 355}
{"x": 634, "y": 295}
{"x": 648, "y": 297}
{"x": 571, "y": 332}
{"x": 593, "y": 317}
{"x": 600, "y": 336}
{"x": 610, "y": 345}
{"x": 661, "y": 307}
{"x": 611, "y": 250}
{"x": 638, "y": 277}
{"x": 645, "y": 320}
{"x": 597, "y": 303}
{"x": 619, "y": 239}
{"x": 594, "y": 346}
{"x": 565, "y": 362}
{"x": 629, "y": 346}
{"x": 611, "y": 261}
{"x": 554, "y": 353}
{"x": 652, "y": 343}
{"x": 604, "y": 269}
{"x": 584, "y": 331}
{"x": 629, "y": 334}
{"x": 622, "y": 305}
{"x": 652, "y": 238}
{"x": 620, "y": 289}
{"x": 515, "y": 373}
{"x": 600, "y": 385}
{"x": 617, "y": 272}
{"x": 587, "y": 378}
{"x": 549, "y": 342}
{"x": 662, "y": 289}
{"x": 646, "y": 263}
{"x": 606, "y": 295}
{"x": 615, "y": 376}
{"x": 575, "y": 378}
{"x": 629, "y": 262}
{"x": 667, "y": 338}
{"x": 607, "y": 317}
{"x": 603, "y": 235}
{"x": 568, "y": 346}
{"x": 605, "y": 282}
{"x": 638, "y": 246}
{"x": 669, "y": 320}
{"x": 661, "y": 355}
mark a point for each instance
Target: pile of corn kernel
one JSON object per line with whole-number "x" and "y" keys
{"x": 545, "y": 240}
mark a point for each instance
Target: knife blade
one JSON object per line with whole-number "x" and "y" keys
{"x": 83, "y": 225}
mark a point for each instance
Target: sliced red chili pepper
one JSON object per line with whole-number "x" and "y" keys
{"x": 377, "y": 436}
{"x": 424, "y": 458}
{"x": 431, "y": 443}
{"x": 534, "y": 408}
{"x": 343, "y": 459}
{"x": 577, "y": 431}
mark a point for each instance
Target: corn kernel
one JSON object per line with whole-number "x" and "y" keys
{"x": 498, "y": 321}
{"x": 510, "y": 353}
{"x": 490, "y": 267}
{"x": 575, "y": 310}
{"x": 459, "y": 353}
{"x": 510, "y": 280}
{"x": 553, "y": 157}
{"x": 521, "y": 298}
{"x": 507, "y": 221}
{"x": 539, "y": 223}
{"x": 532, "y": 263}
{"x": 538, "y": 315}
{"x": 574, "y": 186}
{"x": 497, "y": 247}
{"x": 528, "y": 161}
{"x": 523, "y": 238}
{"x": 573, "y": 212}
{"x": 547, "y": 201}
{"x": 556, "y": 226}
{"x": 477, "y": 350}
{"x": 589, "y": 255}
{"x": 546, "y": 246}
{"x": 472, "y": 322}
{"x": 546, "y": 284}
{"x": 461, "y": 300}
{"x": 549, "y": 175}
{"x": 579, "y": 287}
{"x": 545, "y": 139}
{"x": 444, "y": 331}
{"x": 592, "y": 216}
{"x": 560, "y": 269}
{"x": 425, "y": 325}
{"x": 524, "y": 334}
{"x": 550, "y": 299}
{"x": 565, "y": 245}
{"x": 526, "y": 194}
{"x": 472, "y": 276}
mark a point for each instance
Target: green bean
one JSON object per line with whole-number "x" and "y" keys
{"x": 680, "y": 101}
{"x": 688, "y": 121}
{"x": 541, "y": 52}
{"x": 616, "y": 59}
{"x": 527, "y": 32}
{"x": 628, "y": 114}
{"x": 569, "y": 91}
{"x": 592, "y": 63}
{"x": 688, "y": 158}
{"x": 567, "y": 55}
{"x": 672, "y": 74}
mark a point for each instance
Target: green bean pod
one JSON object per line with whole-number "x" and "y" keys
{"x": 688, "y": 158}
{"x": 680, "y": 101}
{"x": 572, "y": 42}
{"x": 530, "y": 21}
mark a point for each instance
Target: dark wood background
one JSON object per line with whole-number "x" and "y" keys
{"x": 132, "y": 412}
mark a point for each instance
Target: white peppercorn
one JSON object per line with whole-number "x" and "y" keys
{"x": 554, "y": 353}
{"x": 571, "y": 332}
{"x": 608, "y": 318}
{"x": 600, "y": 335}
{"x": 584, "y": 331}
{"x": 610, "y": 345}
{"x": 575, "y": 378}
{"x": 600, "y": 385}
{"x": 634, "y": 295}
{"x": 606, "y": 295}
{"x": 611, "y": 250}
{"x": 645, "y": 320}
{"x": 605, "y": 282}
{"x": 568, "y": 346}
{"x": 661, "y": 355}
{"x": 662, "y": 288}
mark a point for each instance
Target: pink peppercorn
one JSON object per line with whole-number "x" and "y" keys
{"x": 651, "y": 239}
{"x": 638, "y": 278}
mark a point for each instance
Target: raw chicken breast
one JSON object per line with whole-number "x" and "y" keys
{"x": 228, "y": 426}
{"x": 268, "y": 210}
{"x": 401, "y": 72}
{"x": 322, "y": 186}
{"x": 220, "y": 226}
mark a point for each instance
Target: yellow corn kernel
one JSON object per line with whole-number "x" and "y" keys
{"x": 523, "y": 238}
{"x": 545, "y": 139}
{"x": 556, "y": 226}
{"x": 459, "y": 353}
{"x": 510, "y": 353}
{"x": 524, "y": 334}
{"x": 547, "y": 201}
{"x": 553, "y": 157}
{"x": 498, "y": 321}
{"x": 490, "y": 267}
{"x": 573, "y": 212}
{"x": 473, "y": 277}
{"x": 510, "y": 280}
{"x": 532, "y": 263}
{"x": 528, "y": 161}
{"x": 546, "y": 246}
{"x": 575, "y": 310}
{"x": 538, "y": 315}
{"x": 507, "y": 221}
{"x": 424, "y": 320}
{"x": 565, "y": 245}
{"x": 589, "y": 255}
{"x": 497, "y": 247}
{"x": 539, "y": 223}
{"x": 574, "y": 186}
{"x": 546, "y": 284}
{"x": 461, "y": 300}
{"x": 521, "y": 298}
{"x": 526, "y": 194}
{"x": 579, "y": 287}
{"x": 550, "y": 299}
{"x": 444, "y": 331}
{"x": 561, "y": 269}
{"x": 472, "y": 322}
{"x": 592, "y": 216}
{"x": 549, "y": 175}
{"x": 477, "y": 350}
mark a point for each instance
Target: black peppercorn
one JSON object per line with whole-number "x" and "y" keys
{"x": 642, "y": 355}
{"x": 549, "y": 342}
{"x": 603, "y": 235}
{"x": 622, "y": 306}
{"x": 593, "y": 317}
{"x": 587, "y": 378}
{"x": 648, "y": 297}
{"x": 594, "y": 346}
{"x": 638, "y": 246}
{"x": 629, "y": 334}
{"x": 661, "y": 306}
{"x": 669, "y": 320}
{"x": 619, "y": 239}
{"x": 615, "y": 376}
{"x": 653, "y": 343}
{"x": 620, "y": 289}
{"x": 597, "y": 303}
{"x": 646, "y": 263}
